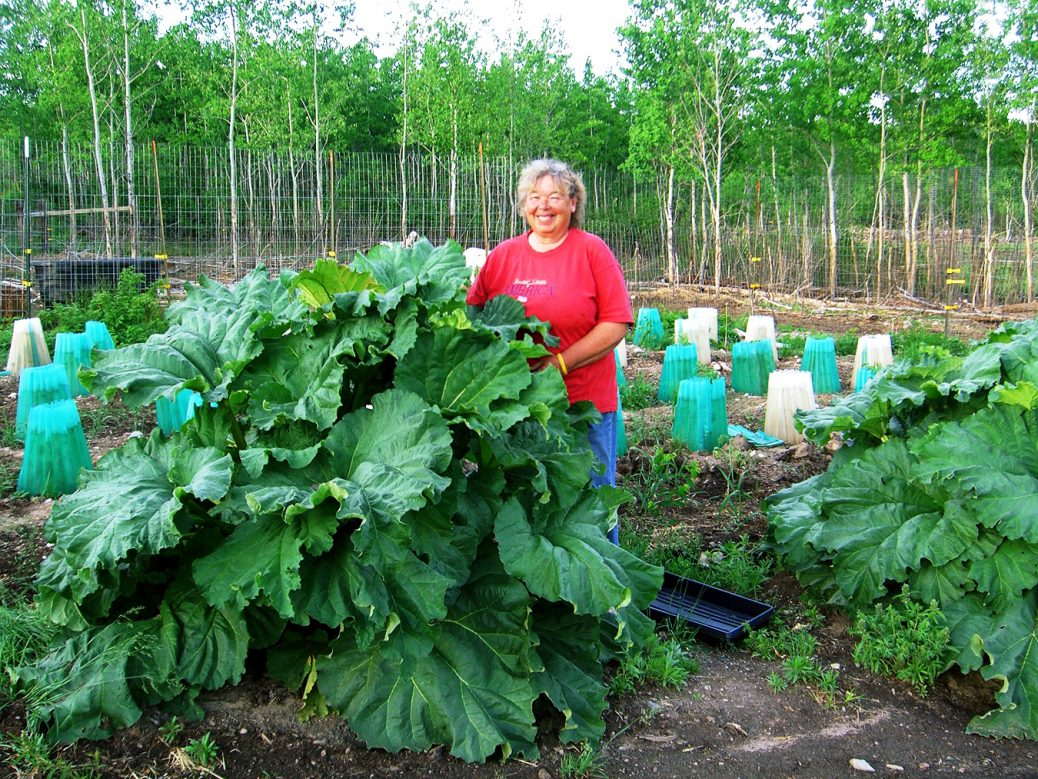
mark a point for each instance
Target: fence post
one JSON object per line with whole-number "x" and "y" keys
{"x": 26, "y": 233}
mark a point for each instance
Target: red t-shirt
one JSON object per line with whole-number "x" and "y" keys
{"x": 574, "y": 286}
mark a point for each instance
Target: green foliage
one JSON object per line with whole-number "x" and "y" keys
{"x": 794, "y": 647}
{"x": 584, "y": 763}
{"x": 936, "y": 491}
{"x": 917, "y": 340}
{"x": 131, "y": 311}
{"x": 735, "y": 565}
{"x": 904, "y": 639}
{"x": 29, "y": 754}
{"x": 202, "y": 750}
{"x": 170, "y": 730}
{"x": 666, "y": 662}
{"x": 668, "y": 481}
{"x": 376, "y": 493}
{"x": 638, "y": 394}
{"x": 846, "y": 343}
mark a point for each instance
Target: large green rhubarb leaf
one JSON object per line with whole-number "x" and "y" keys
{"x": 568, "y": 649}
{"x": 319, "y": 286}
{"x": 990, "y": 460}
{"x": 1012, "y": 649}
{"x": 464, "y": 682}
{"x": 129, "y": 503}
{"x": 462, "y": 372}
{"x": 435, "y": 274}
{"x": 877, "y": 523}
{"x": 213, "y": 641}
{"x": 163, "y": 365}
{"x": 565, "y": 556}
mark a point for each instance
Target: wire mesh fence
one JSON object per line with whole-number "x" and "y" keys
{"x": 286, "y": 208}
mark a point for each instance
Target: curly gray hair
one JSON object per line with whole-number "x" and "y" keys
{"x": 565, "y": 178}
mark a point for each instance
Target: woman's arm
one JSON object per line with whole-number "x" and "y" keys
{"x": 601, "y": 340}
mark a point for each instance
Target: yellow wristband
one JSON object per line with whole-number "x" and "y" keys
{"x": 562, "y": 364}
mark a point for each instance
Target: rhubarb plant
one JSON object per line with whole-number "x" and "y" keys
{"x": 936, "y": 490}
{"x": 376, "y": 496}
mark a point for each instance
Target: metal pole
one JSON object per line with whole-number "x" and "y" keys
{"x": 26, "y": 251}
{"x": 164, "y": 255}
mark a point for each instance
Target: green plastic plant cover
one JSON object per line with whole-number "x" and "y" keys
{"x": 820, "y": 361}
{"x": 680, "y": 362}
{"x": 55, "y": 450}
{"x": 752, "y": 361}
{"x": 700, "y": 415}
{"x": 38, "y": 385}
{"x": 648, "y": 331}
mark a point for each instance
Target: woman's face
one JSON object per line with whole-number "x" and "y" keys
{"x": 548, "y": 210}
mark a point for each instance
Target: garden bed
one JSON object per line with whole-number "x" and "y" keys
{"x": 727, "y": 721}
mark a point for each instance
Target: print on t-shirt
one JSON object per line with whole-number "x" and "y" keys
{"x": 524, "y": 289}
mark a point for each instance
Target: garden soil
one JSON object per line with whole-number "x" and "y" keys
{"x": 726, "y": 722}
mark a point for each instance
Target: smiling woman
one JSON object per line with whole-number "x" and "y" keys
{"x": 572, "y": 280}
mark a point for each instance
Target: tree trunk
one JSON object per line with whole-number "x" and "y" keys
{"x": 673, "y": 272}
{"x": 830, "y": 182}
{"x": 1025, "y": 197}
{"x": 403, "y": 150}
{"x": 131, "y": 192}
{"x": 317, "y": 142}
{"x": 98, "y": 162}
{"x": 231, "y": 151}
{"x": 989, "y": 226}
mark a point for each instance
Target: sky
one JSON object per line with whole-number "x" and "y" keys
{"x": 587, "y": 26}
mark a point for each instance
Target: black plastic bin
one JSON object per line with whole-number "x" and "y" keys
{"x": 59, "y": 280}
{"x": 714, "y": 612}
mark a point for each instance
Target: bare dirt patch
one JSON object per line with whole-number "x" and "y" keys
{"x": 725, "y": 723}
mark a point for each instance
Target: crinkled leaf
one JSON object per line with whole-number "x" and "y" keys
{"x": 1011, "y": 570}
{"x": 401, "y": 432}
{"x": 1001, "y": 483}
{"x": 318, "y": 286}
{"x": 435, "y": 274}
{"x": 213, "y": 640}
{"x": 1012, "y": 648}
{"x": 468, "y": 687}
{"x": 260, "y": 556}
{"x": 163, "y": 365}
{"x": 128, "y": 503}
{"x": 568, "y": 649}
{"x": 506, "y": 317}
{"x": 461, "y": 372}
{"x": 565, "y": 555}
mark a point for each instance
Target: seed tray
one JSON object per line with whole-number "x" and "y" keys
{"x": 714, "y": 612}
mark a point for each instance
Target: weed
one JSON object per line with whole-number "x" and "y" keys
{"x": 586, "y": 763}
{"x": 24, "y": 635}
{"x": 777, "y": 682}
{"x": 735, "y": 566}
{"x": 665, "y": 662}
{"x": 28, "y": 754}
{"x": 638, "y": 394}
{"x": 846, "y": 343}
{"x": 799, "y": 669}
{"x": 202, "y": 751}
{"x": 733, "y": 467}
{"x": 904, "y": 639}
{"x": 917, "y": 340}
{"x": 171, "y": 730}
{"x": 668, "y": 482}
{"x": 8, "y": 477}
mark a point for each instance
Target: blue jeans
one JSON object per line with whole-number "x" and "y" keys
{"x": 602, "y": 437}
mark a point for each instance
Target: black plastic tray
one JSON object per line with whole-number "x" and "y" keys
{"x": 713, "y": 611}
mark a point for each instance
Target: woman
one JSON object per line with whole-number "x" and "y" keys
{"x": 571, "y": 279}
